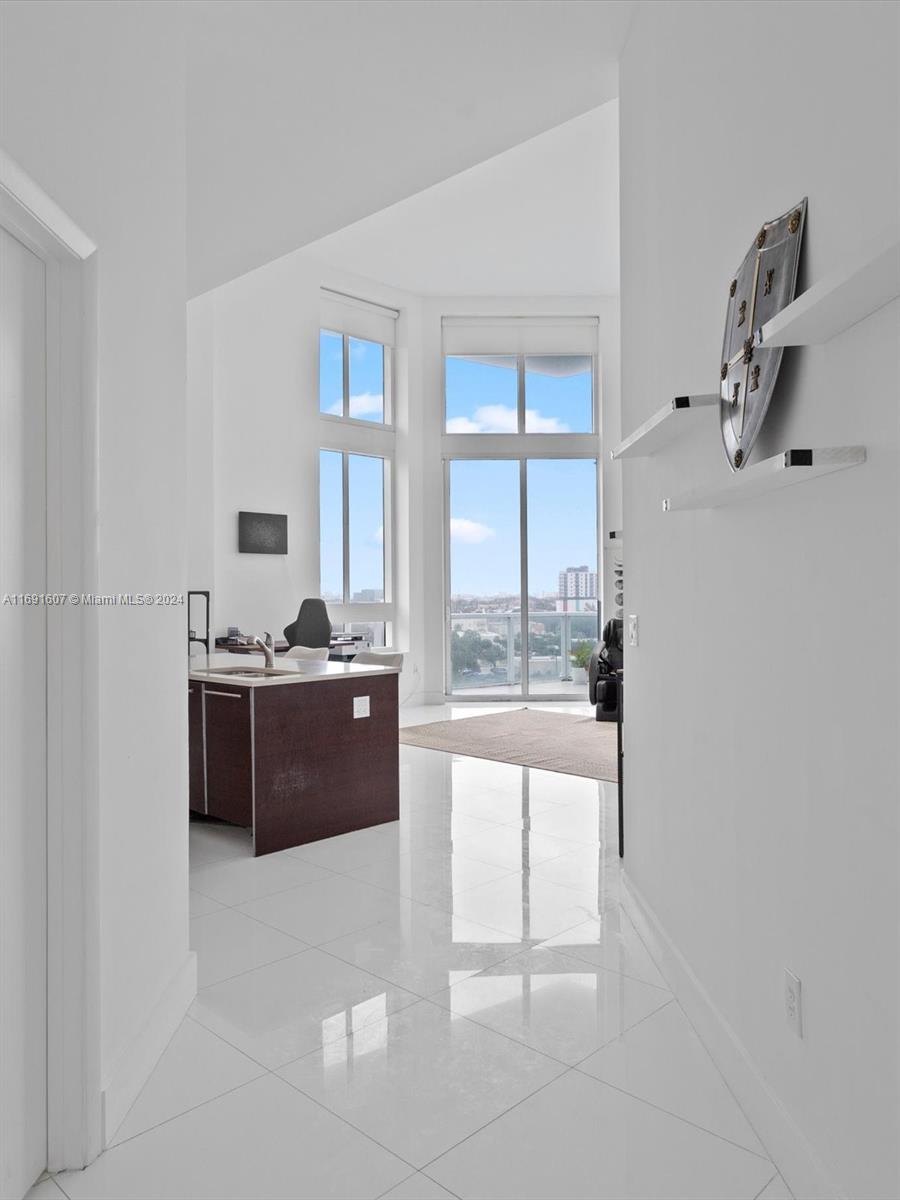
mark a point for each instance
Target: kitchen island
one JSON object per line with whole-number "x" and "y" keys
{"x": 296, "y": 752}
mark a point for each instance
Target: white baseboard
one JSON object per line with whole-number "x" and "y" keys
{"x": 799, "y": 1164}
{"x": 136, "y": 1065}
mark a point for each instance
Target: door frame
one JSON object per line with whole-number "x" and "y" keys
{"x": 521, "y": 454}
{"x": 72, "y": 655}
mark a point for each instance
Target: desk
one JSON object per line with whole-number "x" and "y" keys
{"x": 338, "y": 651}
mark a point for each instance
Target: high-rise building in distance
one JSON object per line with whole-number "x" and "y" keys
{"x": 577, "y": 590}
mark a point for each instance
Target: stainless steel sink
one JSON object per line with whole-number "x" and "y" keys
{"x": 248, "y": 672}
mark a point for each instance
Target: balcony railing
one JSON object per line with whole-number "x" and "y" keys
{"x": 486, "y": 650}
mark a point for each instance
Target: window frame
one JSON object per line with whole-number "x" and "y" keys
{"x": 520, "y": 430}
{"x": 348, "y": 611}
{"x": 522, "y": 454}
{"x": 386, "y": 425}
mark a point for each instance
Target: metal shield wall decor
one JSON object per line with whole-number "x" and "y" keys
{"x": 762, "y": 286}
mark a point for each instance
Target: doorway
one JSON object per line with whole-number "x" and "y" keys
{"x": 522, "y": 603}
{"x": 50, "y": 1094}
{"x": 23, "y": 717}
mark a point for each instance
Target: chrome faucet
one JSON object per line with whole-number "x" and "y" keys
{"x": 267, "y": 647}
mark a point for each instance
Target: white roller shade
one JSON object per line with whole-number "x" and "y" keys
{"x": 357, "y": 317}
{"x": 519, "y": 335}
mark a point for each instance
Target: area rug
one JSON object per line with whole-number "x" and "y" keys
{"x": 528, "y": 737}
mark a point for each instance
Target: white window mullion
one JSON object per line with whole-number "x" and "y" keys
{"x": 345, "y": 490}
{"x": 345, "y": 355}
{"x": 520, "y": 379}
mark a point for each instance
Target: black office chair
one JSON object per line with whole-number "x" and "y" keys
{"x": 607, "y": 658}
{"x": 312, "y": 627}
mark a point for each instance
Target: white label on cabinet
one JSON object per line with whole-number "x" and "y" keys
{"x": 360, "y": 706}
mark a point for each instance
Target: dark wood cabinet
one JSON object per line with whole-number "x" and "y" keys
{"x": 229, "y": 754}
{"x": 196, "y": 758}
{"x": 321, "y": 771}
{"x": 296, "y": 761}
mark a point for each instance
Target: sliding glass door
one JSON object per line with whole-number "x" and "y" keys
{"x": 562, "y": 599}
{"x": 485, "y": 626}
{"x": 522, "y": 571}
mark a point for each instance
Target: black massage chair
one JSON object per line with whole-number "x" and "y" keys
{"x": 605, "y": 661}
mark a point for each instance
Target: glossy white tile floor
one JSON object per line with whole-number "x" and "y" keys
{"x": 452, "y": 1005}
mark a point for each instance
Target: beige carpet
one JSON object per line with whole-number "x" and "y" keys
{"x": 528, "y": 737}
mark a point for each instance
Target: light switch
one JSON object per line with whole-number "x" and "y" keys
{"x": 632, "y": 629}
{"x": 360, "y": 706}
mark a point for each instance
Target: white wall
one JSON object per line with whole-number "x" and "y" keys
{"x": 201, "y": 491}
{"x": 254, "y": 353}
{"x": 762, "y": 703}
{"x": 93, "y": 109}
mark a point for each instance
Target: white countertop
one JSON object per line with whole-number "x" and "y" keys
{"x": 206, "y": 668}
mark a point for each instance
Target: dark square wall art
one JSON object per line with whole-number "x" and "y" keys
{"x": 262, "y": 533}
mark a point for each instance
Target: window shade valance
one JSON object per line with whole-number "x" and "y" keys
{"x": 519, "y": 335}
{"x": 357, "y": 317}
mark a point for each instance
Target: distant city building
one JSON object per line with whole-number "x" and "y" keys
{"x": 577, "y": 590}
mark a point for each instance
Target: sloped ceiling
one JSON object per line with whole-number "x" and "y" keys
{"x": 304, "y": 117}
{"x": 540, "y": 219}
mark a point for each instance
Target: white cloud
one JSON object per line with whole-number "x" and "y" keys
{"x": 366, "y": 404}
{"x": 470, "y": 532}
{"x": 379, "y": 535}
{"x": 463, "y": 425}
{"x": 498, "y": 418}
{"x": 535, "y": 423}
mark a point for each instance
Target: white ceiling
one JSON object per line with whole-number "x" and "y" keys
{"x": 306, "y": 116}
{"x": 541, "y": 219}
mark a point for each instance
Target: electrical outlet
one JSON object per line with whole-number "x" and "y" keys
{"x": 632, "y": 629}
{"x": 360, "y": 706}
{"x": 793, "y": 1003}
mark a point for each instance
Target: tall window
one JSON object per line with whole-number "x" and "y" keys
{"x": 353, "y": 377}
{"x": 356, "y": 344}
{"x": 521, "y": 509}
{"x": 351, "y": 527}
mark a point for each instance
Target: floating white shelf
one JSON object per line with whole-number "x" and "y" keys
{"x": 672, "y": 420}
{"x": 789, "y": 467}
{"x": 838, "y": 301}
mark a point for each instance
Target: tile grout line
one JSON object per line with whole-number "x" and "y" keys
{"x": 709, "y": 1055}
{"x": 294, "y": 954}
{"x": 420, "y": 1170}
{"x": 669, "y": 1113}
{"x": 456, "y": 1145}
{"x": 522, "y": 947}
{"x": 265, "y": 1073}
{"x": 328, "y": 872}
{"x": 428, "y": 1177}
{"x": 304, "y": 946}
{"x": 193, "y": 1108}
{"x": 768, "y": 1185}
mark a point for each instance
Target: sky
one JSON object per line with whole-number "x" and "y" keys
{"x": 482, "y": 394}
{"x": 366, "y": 367}
{"x": 482, "y": 397}
{"x": 366, "y": 487}
{"x": 484, "y": 494}
{"x": 366, "y": 482}
{"x": 484, "y": 523}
